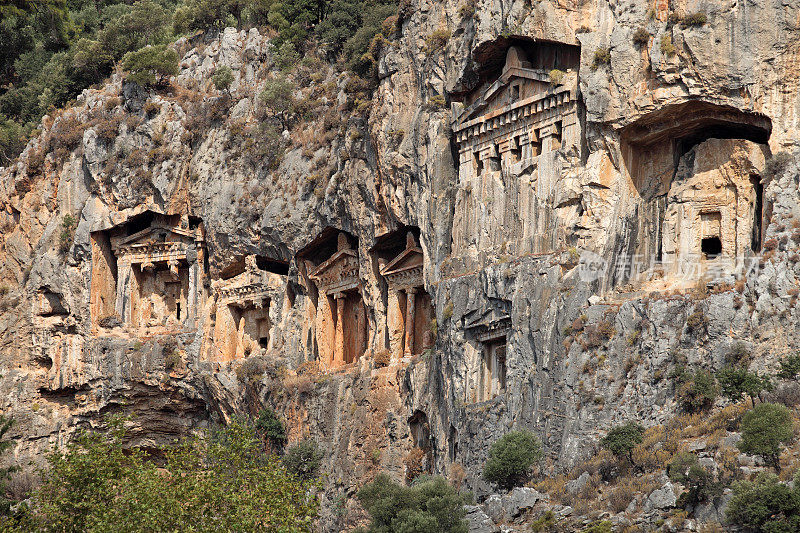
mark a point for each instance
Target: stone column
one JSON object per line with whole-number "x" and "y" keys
{"x": 124, "y": 284}
{"x": 338, "y": 343}
{"x": 410, "y": 321}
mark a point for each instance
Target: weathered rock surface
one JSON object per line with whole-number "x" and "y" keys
{"x": 666, "y": 151}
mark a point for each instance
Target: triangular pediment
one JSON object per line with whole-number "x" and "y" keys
{"x": 337, "y": 259}
{"x": 488, "y": 99}
{"x": 495, "y": 313}
{"x": 408, "y": 259}
{"x": 158, "y": 234}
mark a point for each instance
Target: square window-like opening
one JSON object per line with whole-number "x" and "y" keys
{"x": 711, "y": 247}
{"x": 514, "y": 93}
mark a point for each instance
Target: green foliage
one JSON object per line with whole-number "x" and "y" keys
{"x": 224, "y": 478}
{"x": 641, "y": 37}
{"x": 271, "y": 429}
{"x": 765, "y": 429}
{"x": 279, "y": 99}
{"x": 303, "y": 459}
{"x": 790, "y": 367}
{"x": 546, "y": 522}
{"x": 602, "y": 56}
{"x": 222, "y": 78}
{"x": 68, "y": 225}
{"x": 556, "y": 76}
{"x": 667, "y": 48}
{"x": 599, "y": 526}
{"x": 621, "y": 440}
{"x": 699, "y": 482}
{"x": 429, "y": 505}
{"x": 765, "y": 505}
{"x": 511, "y": 458}
{"x": 50, "y": 51}
{"x": 694, "y": 19}
{"x": 5, "y": 445}
{"x": 697, "y": 391}
{"x": 151, "y": 66}
{"x": 736, "y": 382}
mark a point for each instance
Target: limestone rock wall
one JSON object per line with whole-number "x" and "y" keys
{"x": 695, "y": 109}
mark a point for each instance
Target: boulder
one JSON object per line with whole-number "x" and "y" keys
{"x": 479, "y": 522}
{"x": 662, "y": 498}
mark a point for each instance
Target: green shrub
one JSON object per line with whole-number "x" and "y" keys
{"x": 546, "y": 522}
{"x": 790, "y": 367}
{"x": 430, "y": 505}
{"x": 303, "y": 459}
{"x": 737, "y": 382}
{"x": 765, "y": 429}
{"x": 667, "y": 48}
{"x": 151, "y": 65}
{"x": 697, "y": 391}
{"x": 68, "y": 225}
{"x": 436, "y": 40}
{"x": 278, "y": 96}
{"x": 697, "y": 321}
{"x": 621, "y": 440}
{"x": 641, "y": 37}
{"x": 222, "y": 78}
{"x": 172, "y": 359}
{"x": 511, "y": 458}
{"x": 602, "y": 56}
{"x": 271, "y": 430}
{"x": 5, "y": 445}
{"x": 694, "y": 20}
{"x": 599, "y": 526}
{"x": 765, "y": 505}
{"x": 556, "y": 76}
{"x": 98, "y": 484}
{"x": 698, "y": 482}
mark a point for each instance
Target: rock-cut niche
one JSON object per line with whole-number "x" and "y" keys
{"x": 245, "y": 293}
{"x": 147, "y": 273}
{"x": 519, "y": 113}
{"x": 699, "y": 169}
{"x": 330, "y": 269}
{"x": 409, "y": 308}
{"x": 487, "y": 331}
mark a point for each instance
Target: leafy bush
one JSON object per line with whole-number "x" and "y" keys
{"x": 5, "y": 445}
{"x": 699, "y": 482}
{"x": 279, "y": 99}
{"x": 511, "y": 458}
{"x": 621, "y": 440}
{"x": 764, "y": 430}
{"x": 765, "y": 505}
{"x": 641, "y": 37}
{"x": 694, "y": 20}
{"x": 556, "y": 76}
{"x": 96, "y": 484}
{"x": 68, "y": 225}
{"x": 790, "y": 367}
{"x": 429, "y": 505}
{"x": 172, "y": 359}
{"x": 736, "y": 382}
{"x": 667, "y": 48}
{"x": 303, "y": 459}
{"x": 697, "y": 321}
{"x": 222, "y": 78}
{"x": 602, "y": 56}
{"x": 271, "y": 430}
{"x": 698, "y": 391}
{"x": 151, "y": 66}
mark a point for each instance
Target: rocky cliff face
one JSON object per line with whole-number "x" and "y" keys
{"x": 518, "y": 227}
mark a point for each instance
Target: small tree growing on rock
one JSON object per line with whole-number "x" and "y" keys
{"x": 270, "y": 429}
{"x": 765, "y": 504}
{"x": 511, "y": 458}
{"x": 765, "y": 429}
{"x": 621, "y": 440}
{"x": 738, "y": 382}
{"x": 151, "y": 65}
{"x": 222, "y": 78}
{"x": 303, "y": 459}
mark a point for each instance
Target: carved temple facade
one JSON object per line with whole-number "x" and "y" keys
{"x": 507, "y": 136}
{"x": 148, "y": 273}
{"x": 487, "y": 330}
{"x": 409, "y": 310}
{"x": 246, "y": 299}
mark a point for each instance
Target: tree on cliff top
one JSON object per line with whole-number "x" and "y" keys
{"x": 222, "y": 481}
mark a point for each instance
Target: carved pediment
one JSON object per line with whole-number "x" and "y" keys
{"x": 491, "y": 321}
{"x": 405, "y": 269}
{"x": 339, "y": 273}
